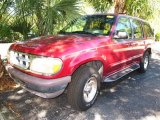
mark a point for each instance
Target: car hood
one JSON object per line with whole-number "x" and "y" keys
{"x": 55, "y": 46}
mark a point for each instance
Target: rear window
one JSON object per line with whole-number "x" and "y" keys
{"x": 148, "y": 31}
{"x": 137, "y": 29}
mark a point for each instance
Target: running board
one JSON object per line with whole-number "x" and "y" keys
{"x": 122, "y": 73}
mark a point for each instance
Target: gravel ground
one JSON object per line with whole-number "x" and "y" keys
{"x": 135, "y": 97}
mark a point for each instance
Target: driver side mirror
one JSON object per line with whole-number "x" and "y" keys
{"x": 120, "y": 35}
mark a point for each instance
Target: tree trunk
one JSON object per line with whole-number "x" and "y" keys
{"x": 119, "y": 6}
{"x": 1, "y": 68}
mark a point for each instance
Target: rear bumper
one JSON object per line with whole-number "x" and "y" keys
{"x": 46, "y": 88}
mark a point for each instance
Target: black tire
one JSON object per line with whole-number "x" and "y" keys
{"x": 143, "y": 65}
{"x": 75, "y": 91}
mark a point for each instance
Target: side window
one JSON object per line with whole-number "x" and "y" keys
{"x": 137, "y": 29}
{"x": 148, "y": 31}
{"x": 124, "y": 25}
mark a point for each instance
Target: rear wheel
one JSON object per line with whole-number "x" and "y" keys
{"x": 84, "y": 87}
{"x": 144, "y": 62}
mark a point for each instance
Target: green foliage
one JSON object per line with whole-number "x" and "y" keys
{"x": 46, "y": 15}
{"x": 100, "y": 5}
{"x": 138, "y": 8}
{"x": 21, "y": 26}
{"x": 4, "y": 4}
{"x": 17, "y": 36}
{"x": 43, "y": 17}
{"x": 154, "y": 20}
{"x": 158, "y": 37}
{"x": 8, "y": 35}
{"x": 5, "y": 32}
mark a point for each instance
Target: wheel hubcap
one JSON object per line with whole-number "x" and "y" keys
{"x": 90, "y": 89}
{"x": 146, "y": 61}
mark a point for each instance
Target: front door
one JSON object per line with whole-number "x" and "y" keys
{"x": 121, "y": 47}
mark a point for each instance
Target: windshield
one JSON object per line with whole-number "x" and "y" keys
{"x": 95, "y": 25}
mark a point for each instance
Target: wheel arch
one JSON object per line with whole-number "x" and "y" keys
{"x": 149, "y": 50}
{"x": 97, "y": 64}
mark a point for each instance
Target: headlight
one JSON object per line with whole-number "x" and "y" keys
{"x": 46, "y": 66}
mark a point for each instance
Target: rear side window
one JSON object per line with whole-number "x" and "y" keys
{"x": 137, "y": 29}
{"x": 148, "y": 31}
{"x": 124, "y": 25}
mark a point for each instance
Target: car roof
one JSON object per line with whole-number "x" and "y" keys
{"x": 118, "y": 15}
{"x": 133, "y": 17}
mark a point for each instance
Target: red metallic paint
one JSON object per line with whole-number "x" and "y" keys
{"x": 75, "y": 50}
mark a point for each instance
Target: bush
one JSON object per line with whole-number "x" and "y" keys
{"x": 5, "y": 33}
{"x": 158, "y": 37}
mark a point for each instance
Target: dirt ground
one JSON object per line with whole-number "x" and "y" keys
{"x": 6, "y": 83}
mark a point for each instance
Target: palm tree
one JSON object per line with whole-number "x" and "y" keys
{"x": 42, "y": 17}
{"x": 139, "y": 8}
{"x": 4, "y": 4}
{"x": 47, "y": 16}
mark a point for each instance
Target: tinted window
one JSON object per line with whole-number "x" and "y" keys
{"x": 124, "y": 25}
{"x": 137, "y": 29}
{"x": 148, "y": 31}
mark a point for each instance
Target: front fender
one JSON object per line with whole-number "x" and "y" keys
{"x": 85, "y": 57}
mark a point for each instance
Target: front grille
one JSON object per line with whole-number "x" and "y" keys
{"x": 19, "y": 59}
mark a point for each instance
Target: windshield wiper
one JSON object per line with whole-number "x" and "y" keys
{"x": 83, "y": 32}
{"x": 78, "y": 32}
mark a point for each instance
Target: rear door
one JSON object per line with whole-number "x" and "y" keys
{"x": 138, "y": 43}
{"x": 148, "y": 34}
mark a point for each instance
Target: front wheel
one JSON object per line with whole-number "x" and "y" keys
{"x": 84, "y": 87}
{"x": 144, "y": 62}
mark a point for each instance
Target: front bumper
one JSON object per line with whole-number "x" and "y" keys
{"x": 46, "y": 88}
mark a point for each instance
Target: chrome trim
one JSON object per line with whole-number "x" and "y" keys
{"x": 19, "y": 60}
{"x": 90, "y": 89}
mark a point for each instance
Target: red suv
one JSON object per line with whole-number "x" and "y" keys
{"x": 89, "y": 51}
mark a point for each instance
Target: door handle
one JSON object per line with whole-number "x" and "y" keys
{"x": 134, "y": 44}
